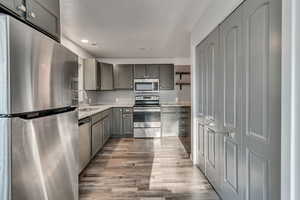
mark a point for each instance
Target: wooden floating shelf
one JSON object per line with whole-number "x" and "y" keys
{"x": 183, "y": 83}
{"x": 183, "y": 73}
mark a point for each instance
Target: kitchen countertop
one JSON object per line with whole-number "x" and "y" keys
{"x": 94, "y": 109}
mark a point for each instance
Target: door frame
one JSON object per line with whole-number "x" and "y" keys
{"x": 290, "y": 139}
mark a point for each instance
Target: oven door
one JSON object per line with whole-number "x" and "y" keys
{"x": 146, "y": 117}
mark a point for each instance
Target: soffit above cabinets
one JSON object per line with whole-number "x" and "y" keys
{"x": 132, "y": 28}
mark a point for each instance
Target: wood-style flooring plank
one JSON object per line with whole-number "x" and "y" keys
{"x": 144, "y": 169}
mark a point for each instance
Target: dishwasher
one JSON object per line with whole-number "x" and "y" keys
{"x": 84, "y": 143}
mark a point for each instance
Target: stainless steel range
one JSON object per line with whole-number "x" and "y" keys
{"x": 146, "y": 116}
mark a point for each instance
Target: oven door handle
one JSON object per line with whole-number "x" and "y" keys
{"x": 148, "y": 110}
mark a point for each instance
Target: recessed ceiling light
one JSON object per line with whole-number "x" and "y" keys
{"x": 84, "y": 41}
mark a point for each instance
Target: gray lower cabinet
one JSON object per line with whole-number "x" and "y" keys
{"x": 175, "y": 121}
{"x": 122, "y": 122}
{"x": 128, "y": 125}
{"x": 123, "y": 77}
{"x": 166, "y": 77}
{"x": 97, "y": 137}
{"x": 117, "y": 130}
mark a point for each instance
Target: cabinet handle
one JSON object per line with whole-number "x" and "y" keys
{"x": 22, "y": 8}
{"x": 32, "y": 15}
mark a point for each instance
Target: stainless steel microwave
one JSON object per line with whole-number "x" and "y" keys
{"x": 146, "y": 85}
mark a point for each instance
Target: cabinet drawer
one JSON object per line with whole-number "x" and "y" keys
{"x": 97, "y": 117}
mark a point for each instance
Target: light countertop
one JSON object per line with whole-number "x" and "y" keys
{"x": 89, "y": 110}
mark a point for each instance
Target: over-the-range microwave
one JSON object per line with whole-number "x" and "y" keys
{"x": 146, "y": 85}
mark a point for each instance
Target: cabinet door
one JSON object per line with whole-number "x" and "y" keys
{"x": 231, "y": 66}
{"x": 117, "y": 122}
{"x": 97, "y": 137}
{"x": 166, "y": 74}
{"x": 128, "y": 125}
{"x": 140, "y": 71}
{"x": 17, "y": 6}
{"x": 39, "y": 14}
{"x": 262, "y": 98}
{"x": 152, "y": 71}
{"x": 123, "y": 77}
{"x": 106, "y": 76}
{"x": 106, "y": 124}
{"x": 92, "y": 74}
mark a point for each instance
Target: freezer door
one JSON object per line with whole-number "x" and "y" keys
{"x": 45, "y": 157}
{"x": 36, "y": 73}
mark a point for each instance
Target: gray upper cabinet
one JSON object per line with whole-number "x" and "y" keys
{"x": 166, "y": 77}
{"x": 106, "y": 76}
{"x": 140, "y": 71}
{"x": 123, "y": 77}
{"x": 146, "y": 71}
{"x": 97, "y": 76}
{"x": 92, "y": 74}
{"x": 45, "y": 15}
{"x": 153, "y": 71}
{"x": 16, "y": 6}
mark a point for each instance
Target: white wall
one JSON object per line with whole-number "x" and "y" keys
{"x": 215, "y": 13}
{"x": 81, "y": 55}
{"x": 290, "y": 139}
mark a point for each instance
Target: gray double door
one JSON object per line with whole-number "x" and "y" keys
{"x": 240, "y": 91}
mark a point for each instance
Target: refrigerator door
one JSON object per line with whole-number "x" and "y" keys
{"x": 36, "y": 73}
{"x": 45, "y": 157}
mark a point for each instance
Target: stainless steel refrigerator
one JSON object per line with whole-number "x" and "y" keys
{"x": 38, "y": 116}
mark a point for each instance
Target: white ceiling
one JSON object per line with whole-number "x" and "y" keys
{"x": 132, "y": 28}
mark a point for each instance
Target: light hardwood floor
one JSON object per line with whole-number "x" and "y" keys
{"x": 144, "y": 169}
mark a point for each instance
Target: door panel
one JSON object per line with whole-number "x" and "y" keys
{"x": 45, "y": 157}
{"x": 40, "y": 16}
{"x": 262, "y": 98}
{"x": 201, "y": 147}
{"x": 152, "y": 71}
{"x": 97, "y": 137}
{"x": 123, "y": 77}
{"x": 140, "y": 71}
{"x": 231, "y": 55}
{"x": 106, "y": 76}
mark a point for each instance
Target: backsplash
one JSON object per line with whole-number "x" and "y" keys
{"x": 125, "y": 96}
